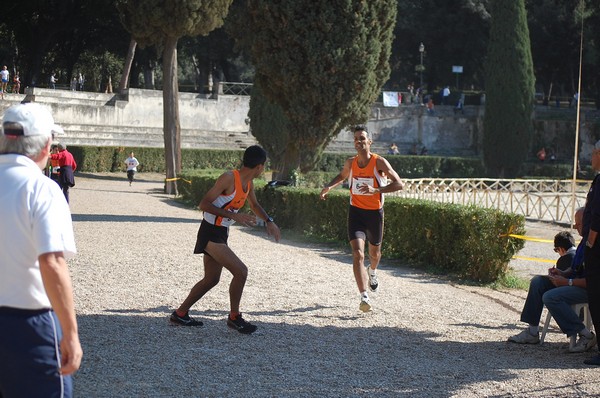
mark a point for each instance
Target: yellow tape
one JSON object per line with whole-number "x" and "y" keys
{"x": 543, "y": 260}
{"x": 178, "y": 178}
{"x": 530, "y": 238}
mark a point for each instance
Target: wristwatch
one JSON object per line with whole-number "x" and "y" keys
{"x": 269, "y": 219}
{"x": 570, "y": 282}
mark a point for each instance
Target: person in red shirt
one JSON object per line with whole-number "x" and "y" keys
{"x": 365, "y": 173}
{"x": 66, "y": 178}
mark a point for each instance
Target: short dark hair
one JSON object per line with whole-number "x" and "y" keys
{"x": 253, "y": 156}
{"x": 361, "y": 127}
{"x": 564, "y": 240}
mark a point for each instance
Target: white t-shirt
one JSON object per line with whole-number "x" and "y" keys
{"x": 4, "y": 75}
{"x": 35, "y": 220}
{"x": 132, "y": 163}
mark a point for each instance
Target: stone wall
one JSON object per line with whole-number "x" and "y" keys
{"x": 136, "y": 119}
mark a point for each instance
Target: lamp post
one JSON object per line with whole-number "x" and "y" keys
{"x": 421, "y": 50}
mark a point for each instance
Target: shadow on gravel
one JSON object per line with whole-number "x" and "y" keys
{"x": 139, "y": 354}
{"x": 127, "y": 218}
{"x": 116, "y": 177}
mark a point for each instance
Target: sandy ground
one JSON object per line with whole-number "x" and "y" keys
{"x": 426, "y": 337}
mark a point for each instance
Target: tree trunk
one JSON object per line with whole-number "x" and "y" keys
{"x": 172, "y": 129}
{"x": 287, "y": 164}
{"x": 127, "y": 66}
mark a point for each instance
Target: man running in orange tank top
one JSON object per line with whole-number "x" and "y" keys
{"x": 366, "y": 173}
{"x": 220, "y": 206}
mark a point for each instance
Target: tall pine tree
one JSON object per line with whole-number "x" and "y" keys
{"x": 508, "y": 123}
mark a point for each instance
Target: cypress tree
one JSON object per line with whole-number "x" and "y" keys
{"x": 510, "y": 91}
{"x": 322, "y": 62}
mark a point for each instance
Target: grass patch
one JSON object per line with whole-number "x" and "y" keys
{"x": 510, "y": 281}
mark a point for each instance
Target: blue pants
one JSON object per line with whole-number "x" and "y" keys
{"x": 558, "y": 300}
{"x": 29, "y": 355}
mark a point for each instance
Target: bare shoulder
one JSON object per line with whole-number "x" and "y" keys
{"x": 381, "y": 161}
{"x": 225, "y": 182}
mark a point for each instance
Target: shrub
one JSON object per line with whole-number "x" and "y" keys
{"x": 469, "y": 242}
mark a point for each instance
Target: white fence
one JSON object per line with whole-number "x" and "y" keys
{"x": 547, "y": 200}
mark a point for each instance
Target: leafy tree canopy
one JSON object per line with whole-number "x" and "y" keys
{"x": 150, "y": 21}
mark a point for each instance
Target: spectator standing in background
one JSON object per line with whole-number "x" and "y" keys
{"x": 80, "y": 82}
{"x": 16, "y": 84}
{"x": 53, "y": 81}
{"x": 3, "y": 80}
{"x": 67, "y": 168}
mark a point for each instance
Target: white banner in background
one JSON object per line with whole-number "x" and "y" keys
{"x": 390, "y": 98}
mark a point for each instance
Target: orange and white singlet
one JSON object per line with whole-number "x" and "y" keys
{"x": 232, "y": 202}
{"x": 368, "y": 175}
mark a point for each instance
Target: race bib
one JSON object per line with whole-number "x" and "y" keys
{"x": 358, "y": 182}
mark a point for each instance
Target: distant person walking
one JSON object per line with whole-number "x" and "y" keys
{"x": 66, "y": 178}
{"x": 132, "y": 164}
{"x": 39, "y": 339}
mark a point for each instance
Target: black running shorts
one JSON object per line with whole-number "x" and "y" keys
{"x": 365, "y": 223}
{"x": 210, "y": 233}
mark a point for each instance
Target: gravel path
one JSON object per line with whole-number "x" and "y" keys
{"x": 426, "y": 337}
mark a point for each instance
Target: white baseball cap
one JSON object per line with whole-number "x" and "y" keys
{"x": 34, "y": 119}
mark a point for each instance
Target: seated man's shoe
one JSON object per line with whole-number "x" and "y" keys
{"x": 584, "y": 344}
{"x": 595, "y": 360}
{"x": 525, "y": 338}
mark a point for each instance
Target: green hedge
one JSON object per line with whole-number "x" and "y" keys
{"x": 93, "y": 159}
{"x": 467, "y": 242}
{"x": 111, "y": 159}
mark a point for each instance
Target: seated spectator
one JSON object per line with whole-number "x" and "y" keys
{"x": 393, "y": 150}
{"x": 558, "y": 290}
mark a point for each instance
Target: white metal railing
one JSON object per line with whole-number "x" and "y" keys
{"x": 548, "y": 200}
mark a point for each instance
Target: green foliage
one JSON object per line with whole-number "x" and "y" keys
{"x": 323, "y": 64}
{"x": 508, "y": 125}
{"x": 97, "y": 68}
{"x": 416, "y": 166}
{"x": 468, "y": 242}
{"x": 93, "y": 159}
{"x": 270, "y": 126}
{"x": 465, "y": 241}
{"x": 151, "y": 21}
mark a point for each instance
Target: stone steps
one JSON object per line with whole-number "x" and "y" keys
{"x": 153, "y": 137}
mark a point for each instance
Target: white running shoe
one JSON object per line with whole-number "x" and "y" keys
{"x": 373, "y": 281}
{"x": 365, "y": 305}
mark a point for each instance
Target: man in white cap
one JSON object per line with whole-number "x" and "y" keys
{"x": 591, "y": 227}
{"x": 39, "y": 339}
